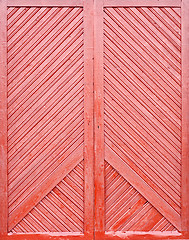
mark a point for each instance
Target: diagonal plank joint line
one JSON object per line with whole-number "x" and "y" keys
{"x": 64, "y": 168}
{"x": 142, "y": 187}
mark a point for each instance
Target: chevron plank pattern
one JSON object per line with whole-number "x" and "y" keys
{"x": 61, "y": 210}
{"x": 45, "y": 98}
{"x": 127, "y": 209}
{"x": 142, "y": 86}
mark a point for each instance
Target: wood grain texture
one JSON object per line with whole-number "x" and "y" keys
{"x": 185, "y": 117}
{"x": 3, "y": 117}
{"x": 45, "y": 102}
{"x": 142, "y": 86}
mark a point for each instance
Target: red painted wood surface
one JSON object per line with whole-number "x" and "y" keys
{"x": 3, "y": 119}
{"x": 50, "y": 119}
{"x": 45, "y": 116}
{"x": 142, "y": 3}
{"x": 143, "y": 103}
{"x": 185, "y": 117}
{"x": 99, "y": 120}
{"x": 88, "y": 121}
{"x": 94, "y": 118}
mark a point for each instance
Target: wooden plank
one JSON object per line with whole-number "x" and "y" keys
{"x": 45, "y": 187}
{"x": 137, "y": 182}
{"x": 185, "y": 116}
{"x": 88, "y": 121}
{"x": 142, "y": 3}
{"x": 46, "y": 236}
{"x": 3, "y": 117}
{"x": 44, "y": 3}
{"x": 99, "y": 119}
{"x": 144, "y": 235}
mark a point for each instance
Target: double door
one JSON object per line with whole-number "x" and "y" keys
{"x": 94, "y": 123}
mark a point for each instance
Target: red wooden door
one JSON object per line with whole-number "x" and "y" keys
{"x": 94, "y": 119}
{"x": 49, "y": 119}
{"x": 141, "y": 115}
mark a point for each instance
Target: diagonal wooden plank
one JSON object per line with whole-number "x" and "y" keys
{"x": 57, "y": 211}
{"x": 162, "y": 27}
{"x": 119, "y": 46}
{"x": 146, "y": 129}
{"x": 45, "y": 187}
{"x": 129, "y": 211}
{"x": 166, "y": 22}
{"x": 140, "y": 40}
{"x": 49, "y": 84}
{"x": 137, "y": 182}
{"x": 152, "y": 35}
{"x": 142, "y": 171}
{"x": 60, "y": 210}
{"x": 170, "y": 14}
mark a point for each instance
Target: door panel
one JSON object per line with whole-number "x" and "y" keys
{"x": 138, "y": 119}
{"x": 49, "y": 92}
{"x": 45, "y": 108}
{"x": 142, "y": 93}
